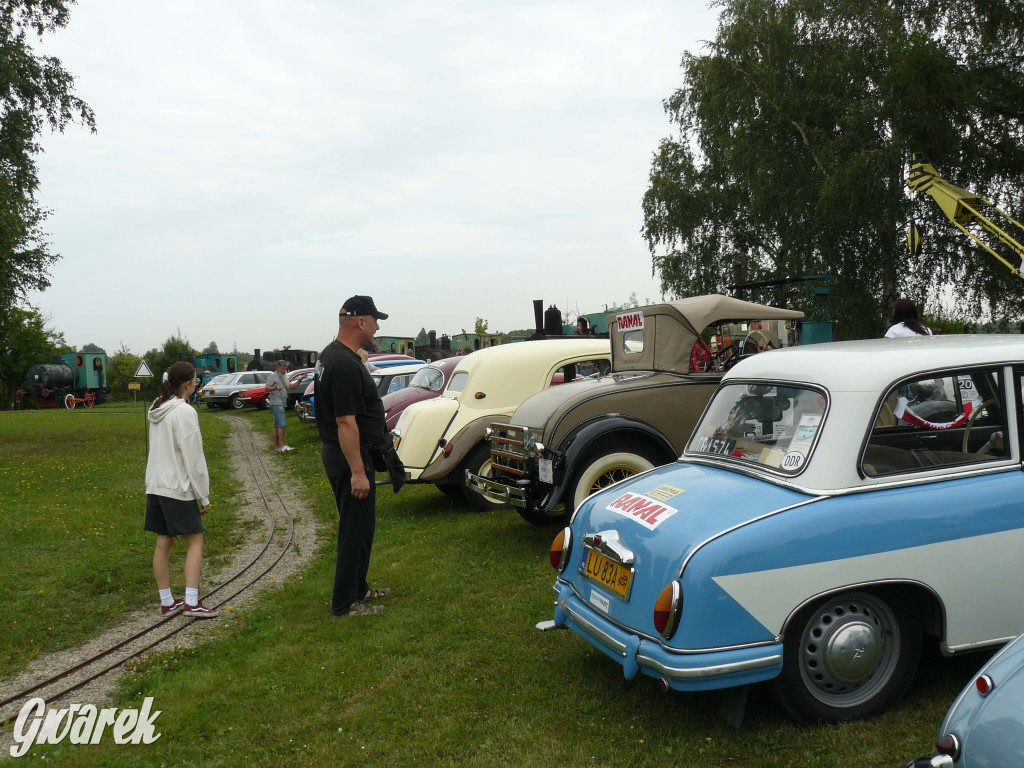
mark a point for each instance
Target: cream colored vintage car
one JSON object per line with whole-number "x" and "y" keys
{"x": 438, "y": 440}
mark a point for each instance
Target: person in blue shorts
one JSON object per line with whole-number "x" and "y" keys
{"x": 278, "y": 386}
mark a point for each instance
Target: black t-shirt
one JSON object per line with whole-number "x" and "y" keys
{"x": 343, "y": 387}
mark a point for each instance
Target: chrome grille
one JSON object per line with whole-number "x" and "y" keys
{"x": 508, "y": 449}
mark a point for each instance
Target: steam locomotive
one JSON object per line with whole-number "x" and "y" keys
{"x": 68, "y": 380}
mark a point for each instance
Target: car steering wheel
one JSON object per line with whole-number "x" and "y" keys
{"x": 722, "y": 357}
{"x": 970, "y": 423}
{"x": 762, "y": 345}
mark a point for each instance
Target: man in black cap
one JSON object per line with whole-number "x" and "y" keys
{"x": 350, "y": 419}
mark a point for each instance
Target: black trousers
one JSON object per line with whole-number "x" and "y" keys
{"x": 357, "y": 521}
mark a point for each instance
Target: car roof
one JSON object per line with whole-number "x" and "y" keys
{"x": 510, "y": 368}
{"x": 397, "y": 370}
{"x": 871, "y": 365}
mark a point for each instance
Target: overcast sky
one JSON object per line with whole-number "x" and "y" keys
{"x": 256, "y": 163}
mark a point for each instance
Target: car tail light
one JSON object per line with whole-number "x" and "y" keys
{"x": 984, "y": 684}
{"x": 667, "y": 609}
{"x": 560, "y": 548}
{"x": 949, "y": 745}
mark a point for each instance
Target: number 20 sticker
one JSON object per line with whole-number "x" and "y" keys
{"x": 793, "y": 460}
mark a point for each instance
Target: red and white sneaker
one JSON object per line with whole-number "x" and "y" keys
{"x": 176, "y": 606}
{"x": 200, "y": 611}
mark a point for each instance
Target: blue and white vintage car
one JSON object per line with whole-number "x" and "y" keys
{"x": 985, "y": 725}
{"x": 834, "y": 505}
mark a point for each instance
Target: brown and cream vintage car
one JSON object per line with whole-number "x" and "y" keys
{"x": 565, "y": 443}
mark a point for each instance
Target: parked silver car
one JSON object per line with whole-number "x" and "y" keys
{"x": 223, "y": 390}
{"x": 983, "y": 727}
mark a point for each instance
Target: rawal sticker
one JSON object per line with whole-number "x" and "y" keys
{"x": 630, "y": 321}
{"x": 649, "y": 512}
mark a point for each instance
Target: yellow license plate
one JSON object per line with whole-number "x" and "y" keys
{"x": 606, "y": 572}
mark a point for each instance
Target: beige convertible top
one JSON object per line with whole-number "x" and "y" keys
{"x": 671, "y": 328}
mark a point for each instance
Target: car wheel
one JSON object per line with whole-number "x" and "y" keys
{"x": 558, "y": 516}
{"x": 603, "y": 470}
{"x": 479, "y": 463}
{"x": 263, "y": 404}
{"x": 234, "y": 403}
{"x": 449, "y": 489}
{"x": 848, "y": 657}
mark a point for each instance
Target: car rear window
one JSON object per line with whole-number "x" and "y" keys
{"x": 773, "y": 426}
{"x": 458, "y": 381}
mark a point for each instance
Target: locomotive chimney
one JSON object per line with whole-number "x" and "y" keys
{"x": 538, "y": 318}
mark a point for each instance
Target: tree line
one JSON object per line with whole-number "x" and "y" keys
{"x": 794, "y": 132}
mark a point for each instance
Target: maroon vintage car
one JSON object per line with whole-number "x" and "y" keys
{"x": 428, "y": 382}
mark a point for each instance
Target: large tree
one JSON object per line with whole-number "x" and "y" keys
{"x": 795, "y": 132}
{"x": 36, "y": 93}
{"x": 26, "y": 340}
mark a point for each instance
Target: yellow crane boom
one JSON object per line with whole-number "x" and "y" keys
{"x": 968, "y": 212}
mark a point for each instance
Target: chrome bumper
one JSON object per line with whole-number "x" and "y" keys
{"x": 667, "y": 670}
{"x": 938, "y": 761}
{"x": 497, "y": 492}
{"x": 691, "y": 671}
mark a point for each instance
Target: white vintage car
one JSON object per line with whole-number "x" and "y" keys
{"x": 835, "y": 506}
{"x": 439, "y": 440}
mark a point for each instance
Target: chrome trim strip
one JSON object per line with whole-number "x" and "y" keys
{"x": 976, "y": 646}
{"x": 1005, "y": 465}
{"x": 596, "y": 633}
{"x": 696, "y": 549}
{"x": 714, "y": 670}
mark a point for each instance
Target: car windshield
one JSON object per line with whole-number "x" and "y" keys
{"x": 770, "y": 425}
{"x": 428, "y": 378}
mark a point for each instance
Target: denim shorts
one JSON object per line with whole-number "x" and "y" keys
{"x": 278, "y": 411}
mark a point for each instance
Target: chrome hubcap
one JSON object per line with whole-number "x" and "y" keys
{"x": 849, "y": 649}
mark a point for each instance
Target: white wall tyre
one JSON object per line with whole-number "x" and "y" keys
{"x": 603, "y": 470}
{"x": 478, "y": 462}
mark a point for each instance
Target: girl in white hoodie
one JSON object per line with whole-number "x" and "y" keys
{"x": 177, "y": 484}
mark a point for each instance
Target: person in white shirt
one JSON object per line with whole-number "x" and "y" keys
{"x": 905, "y": 322}
{"x": 177, "y": 485}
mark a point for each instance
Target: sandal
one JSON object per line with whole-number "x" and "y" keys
{"x": 376, "y": 593}
{"x": 362, "y": 609}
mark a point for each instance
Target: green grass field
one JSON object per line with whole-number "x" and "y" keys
{"x": 452, "y": 673}
{"x": 73, "y": 550}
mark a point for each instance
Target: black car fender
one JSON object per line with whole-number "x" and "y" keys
{"x": 580, "y": 443}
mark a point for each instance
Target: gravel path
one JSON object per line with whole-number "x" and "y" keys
{"x": 253, "y": 513}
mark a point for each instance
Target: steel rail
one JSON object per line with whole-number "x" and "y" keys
{"x": 249, "y": 451}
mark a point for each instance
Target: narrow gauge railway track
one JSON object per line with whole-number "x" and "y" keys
{"x": 280, "y": 528}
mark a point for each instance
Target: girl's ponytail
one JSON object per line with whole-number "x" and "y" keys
{"x": 178, "y": 375}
